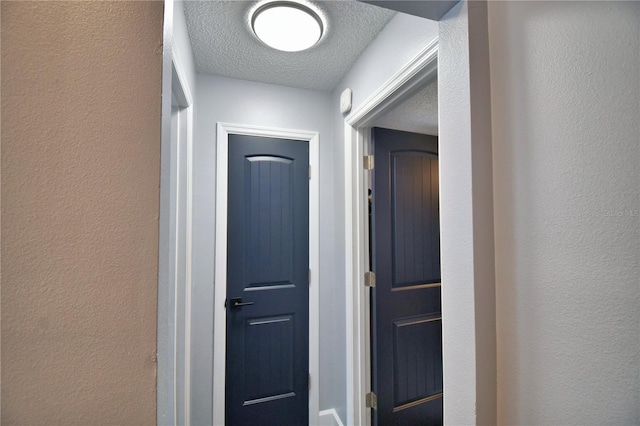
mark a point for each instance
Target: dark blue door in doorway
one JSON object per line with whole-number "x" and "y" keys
{"x": 406, "y": 318}
{"x": 267, "y": 355}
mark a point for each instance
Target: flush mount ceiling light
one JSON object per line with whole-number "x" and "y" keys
{"x": 287, "y": 26}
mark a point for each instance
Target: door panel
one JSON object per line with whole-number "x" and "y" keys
{"x": 416, "y": 359}
{"x": 272, "y": 350}
{"x": 267, "y": 273}
{"x": 406, "y": 319}
{"x": 414, "y": 218}
{"x": 270, "y": 230}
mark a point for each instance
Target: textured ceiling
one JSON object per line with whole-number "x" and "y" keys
{"x": 223, "y": 43}
{"x": 418, "y": 114}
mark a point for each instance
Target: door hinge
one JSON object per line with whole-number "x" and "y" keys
{"x": 309, "y": 277}
{"x": 371, "y": 401}
{"x": 369, "y": 279}
{"x": 309, "y": 382}
{"x": 368, "y": 162}
{"x": 309, "y": 171}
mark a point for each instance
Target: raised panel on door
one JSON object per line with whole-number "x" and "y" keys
{"x": 417, "y": 359}
{"x": 406, "y": 318}
{"x": 269, "y": 256}
{"x": 267, "y": 359}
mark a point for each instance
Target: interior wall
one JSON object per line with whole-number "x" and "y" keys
{"x": 566, "y": 103}
{"x": 81, "y": 86}
{"x": 222, "y": 99}
{"x": 400, "y": 41}
{"x": 466, "y": 217}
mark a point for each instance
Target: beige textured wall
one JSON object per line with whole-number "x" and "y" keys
{"x": 81, "y": 90}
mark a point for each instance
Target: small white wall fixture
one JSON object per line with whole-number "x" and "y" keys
{"x": 418, "y": 71}
{"x": 220, "y": 284}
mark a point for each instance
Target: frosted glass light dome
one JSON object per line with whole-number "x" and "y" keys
{"x": 287, "y": 26}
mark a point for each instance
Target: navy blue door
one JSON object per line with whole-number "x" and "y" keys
{"x": 406, "y": 319}
{"x": 267, "y": 306}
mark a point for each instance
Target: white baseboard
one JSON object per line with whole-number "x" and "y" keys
{"x": 329, "y": 418}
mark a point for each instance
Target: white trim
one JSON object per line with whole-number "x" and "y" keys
{"x": 408, "y": 79}
{"x": 418, "y": 70}
{"x": 170, "y": 255}
{"x": 182, "y": 89}
{"x": 220, "y": 280}
{"x": 185, "y": 100}
{"x": 189, "y": 271}
{"x": 329, "y": 418}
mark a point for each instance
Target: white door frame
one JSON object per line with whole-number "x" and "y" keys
{"x": 220, "y": 280}
{"x": 173, "y": 343}
{"x": 182, "y": 312}
{"x": 408, "y": 79}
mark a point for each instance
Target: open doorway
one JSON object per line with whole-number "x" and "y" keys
{"x": 404, "y": 258}
{"x": 404, "y": 255}
{"x": 466, "y": 218}
{"x": 406, "y": 86}
{"x": 406, "y": 314}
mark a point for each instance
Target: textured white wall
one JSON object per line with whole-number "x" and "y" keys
{"x": 222, "y": 99}
{"x": 565, "y": 80}
{"x": 466, "y": 217}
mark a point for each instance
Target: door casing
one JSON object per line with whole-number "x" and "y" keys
{"x": 174, "y": 284}
{"x": 421, "y": 69}
{"x": 220, "y": 280}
